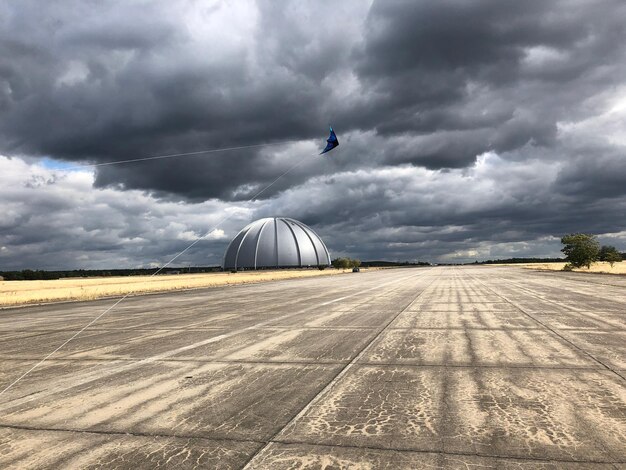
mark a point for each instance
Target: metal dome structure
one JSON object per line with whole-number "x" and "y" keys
{"x": 276, "y": 242}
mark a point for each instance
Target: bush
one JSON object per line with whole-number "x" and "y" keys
{"x": 345, "y": 263}
{"x": 610, "y": 254}
{"x": 341, "y": 263}
{"x": 568, "y": 267}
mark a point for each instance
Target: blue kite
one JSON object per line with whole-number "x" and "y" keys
{"x": 332, "y": 142}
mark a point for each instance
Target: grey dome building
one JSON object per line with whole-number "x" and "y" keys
{"x": 276, "y": 242}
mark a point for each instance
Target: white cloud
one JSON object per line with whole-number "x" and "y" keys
{"x": 56, "y": 219}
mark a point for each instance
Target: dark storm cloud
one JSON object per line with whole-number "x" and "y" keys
{"x": 118, "y": 81}
{"x": 595, "y": 175}
{"x": 76, "y": 92}
{"x": 504, "y": 72}
{"x": 503, "y": 119}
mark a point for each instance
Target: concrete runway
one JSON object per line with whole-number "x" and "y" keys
{"x": 401, "y": 369}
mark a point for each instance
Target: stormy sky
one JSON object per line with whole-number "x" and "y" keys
{"x": 468, "y": 130}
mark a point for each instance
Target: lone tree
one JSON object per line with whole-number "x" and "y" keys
{"x": 610, "y": 254}
{"x": 580, "y": 249}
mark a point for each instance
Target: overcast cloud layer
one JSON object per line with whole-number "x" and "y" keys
{"x": 468, "y": 130}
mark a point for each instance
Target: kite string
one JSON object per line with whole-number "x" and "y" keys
{"x": 152, "y": 275}
{"x": 186, "y": 154}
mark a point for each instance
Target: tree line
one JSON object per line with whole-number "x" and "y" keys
{"x": 41, "y": 275}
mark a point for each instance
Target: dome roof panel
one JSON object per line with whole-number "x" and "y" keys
{"x": 320, "y": 247}
{"x": 247, "y": 247}
{"x": 308, "y": 253}
{"x": 288, "y": 254}
{"x": 230, "y": 258}
{"x": 266, "y": 254}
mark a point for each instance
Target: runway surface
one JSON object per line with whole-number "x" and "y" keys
{"x": 406, "y": 368}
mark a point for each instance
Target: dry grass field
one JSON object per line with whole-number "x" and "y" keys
{"x": 599, "y": 267}
{"x": 14, "y": 293}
